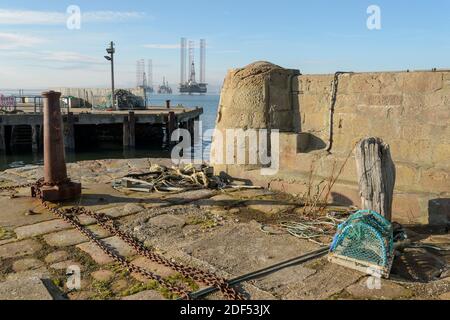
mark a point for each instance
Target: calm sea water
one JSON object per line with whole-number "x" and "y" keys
{"x": 209, "y": 103}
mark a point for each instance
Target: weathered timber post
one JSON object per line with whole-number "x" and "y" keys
{"x": 376, "y": 175}
{"x": 126, "y": 132}
{"x": 12, "y": 139}
{"x": 132, "y": 129}
{"x": 69, "y": 132}
{"x": 57, "y": 186}
{"x": 171, "y": 126}
{"x": 35, "y": 137}
{"x": 2, "y": 138}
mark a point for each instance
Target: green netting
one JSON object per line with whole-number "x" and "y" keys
{"x": 367, "y": 237}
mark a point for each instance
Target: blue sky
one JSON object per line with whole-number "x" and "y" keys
{"x": 38, "y": 51}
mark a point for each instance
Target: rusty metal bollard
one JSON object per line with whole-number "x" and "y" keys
{"x": 168, "y": 104}
{"x": 57, "y": 186}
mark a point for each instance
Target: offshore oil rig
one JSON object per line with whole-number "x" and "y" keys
{"x": 165, "y": 88}
{"x": 144, "y": 80}
{"x": 190, "y": 85}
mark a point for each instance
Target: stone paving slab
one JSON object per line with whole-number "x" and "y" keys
{"x": 281, "y": 282}
{"x": 152, "y": 267}
{"x": 27, "y": 264}
{"x": 330, "y": 279}
{"x": 16, "y": 213}
{"x": 24, "y": 289}
{"x": 19, "y": 249}
{"x": 63, "y": 265}
{"x": 126, "y": 210}
{"x": 56, "y": 256}
{"x": 9, "y": 240}
{"x": 189, "y": 196}
{"x": 145, "y": 295}
{"x": 368, "y": 289}
{"x": 41, "y": 273}
{"x": 73, "y": 237}
{"x": 102, "y": 275}
{"x": 99, "y": 196}
{"x": 100, "y": 257}
{"x": 167, "y": 221}
{"x": 41, "y": 228}
{"x": 226, "y": 246}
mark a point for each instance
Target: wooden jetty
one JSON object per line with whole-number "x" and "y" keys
{"x": 86, "y": 125}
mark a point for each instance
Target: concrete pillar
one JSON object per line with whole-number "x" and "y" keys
{"x": 132, "y": 126}
{"x": 2, "y": 138}
{"x": 69, "y": 132}
{"x": 57, "y": 186}
{"x": 35, "y": 129}
{"x": 126, "y": 132}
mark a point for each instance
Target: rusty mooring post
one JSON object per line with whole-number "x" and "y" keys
{"x": 57, "y": 186}
{"x": 168, "y": 104}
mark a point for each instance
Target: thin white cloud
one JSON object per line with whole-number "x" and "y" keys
{"x": 30, "y": 17}
{"x": 162, "y": 46}
{"x": 61, "y": 57}
{"x": 105, "y": 16}
{"x": 14, "y": 41}
{"x": 68, "y": 56}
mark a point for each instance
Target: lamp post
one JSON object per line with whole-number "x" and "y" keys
{"x": 111, "y": 52}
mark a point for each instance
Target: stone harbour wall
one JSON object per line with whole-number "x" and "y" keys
{"x": 409, "y": 110}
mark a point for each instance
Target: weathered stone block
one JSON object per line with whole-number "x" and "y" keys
{"x": 27, "y": 264}
{"x": 320, "y": 84}
{"x": 24, "y": 289}
{"x": 416, "y": 82}
{"x": 406, "y": 176}
{"x": 385, "y": 100}
{"x": 41, "y": 228}
{"x": 100, "y": 257}
{"x": 20, "y": 248}
{"x": 434, "y": 180}
{"x": 406, "y": 209}
{"x": 56, "y": 256}
{"x": 147, "y": 295}
{"x": 387, "y": 290}
{"x": 72, "y": 237}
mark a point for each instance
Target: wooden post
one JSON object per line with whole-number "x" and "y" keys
{"x": 126, "y": 132}
{"x": 12, "y": 140}
{"x": 191, "y": 128}
{"x": 376, "y": 175}
{"x": 35, "y": 138}
{"x": 69, "y": 132}
{"x": 132, "y": 128}
{"x": 171, "y": 126}
{"x": 2, "y": 138}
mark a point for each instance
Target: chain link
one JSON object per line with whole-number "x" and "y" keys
{"x": 70, "y": 215}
